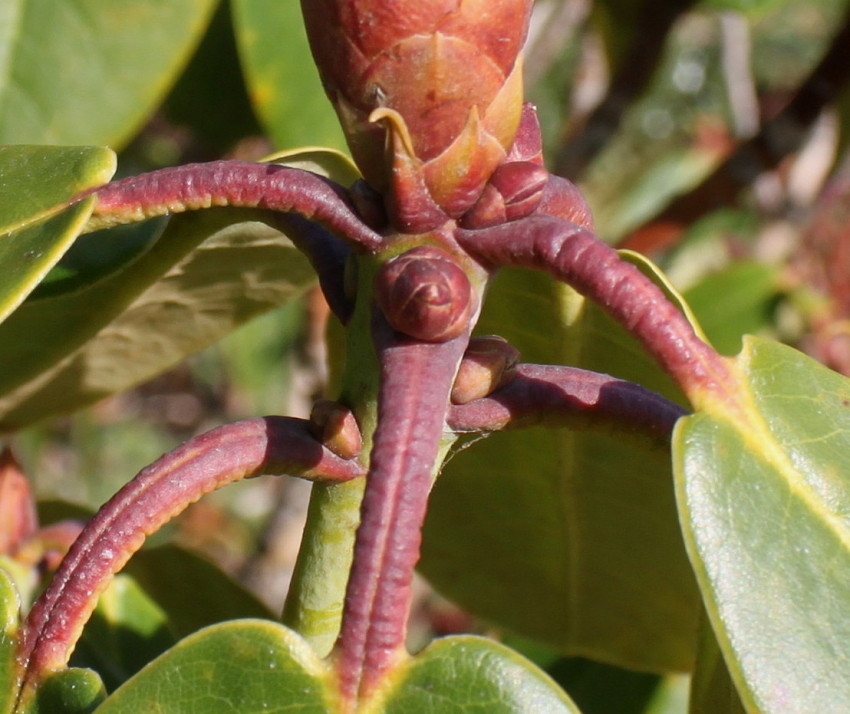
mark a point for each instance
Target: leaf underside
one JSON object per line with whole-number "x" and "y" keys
{"x": 581, "y": 524}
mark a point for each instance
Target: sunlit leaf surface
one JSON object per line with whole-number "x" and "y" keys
{"x": 245, "y": 666}
{"x": 763, "y": 487}
{"x": 90, "y": 71}
{"x": 34, "y": 182}
{"x": 472, "y": 675}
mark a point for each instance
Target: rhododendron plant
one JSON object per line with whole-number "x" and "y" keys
{"x": 452, "y": 189}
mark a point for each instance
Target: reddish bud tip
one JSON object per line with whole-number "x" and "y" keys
{"x": 335, "y": 426}
{"x": 487, "y": 364}
{"x": 528, "y": 143}
{"x": 514, "y": 191}
{"x": 425, "y": 294}
{"x": 18, "y": 520}
{"x": 447, "y": 70}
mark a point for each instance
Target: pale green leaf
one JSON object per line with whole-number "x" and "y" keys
{"x": 762, "y": 480}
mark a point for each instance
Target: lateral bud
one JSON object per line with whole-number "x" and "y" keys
{"x": 334, "y": 425}
{"x": 487, "y": 364}
{"x": 425, "y": 294}
{"x": 514, "y": 191}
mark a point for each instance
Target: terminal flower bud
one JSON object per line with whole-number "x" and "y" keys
{"x": 425, "y": 87}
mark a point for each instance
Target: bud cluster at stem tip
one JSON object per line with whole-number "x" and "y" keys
{"x": 429, "y": 93}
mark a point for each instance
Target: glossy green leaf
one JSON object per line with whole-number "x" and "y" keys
{"x": 208, "y": 273}
{"x": 90, "y": 72}
{"x": 34, "y": 182}
{"x": 762, "y": 481}
{"x": 574, "y": 535}
{"x": 467, "y": 675}
{"x": 9, "y": 604}
{"x": 27, "y": 255}
{"x": 126, "y": 631}
{"x": 282, "y": 80}
{"x": 245, "y": 666}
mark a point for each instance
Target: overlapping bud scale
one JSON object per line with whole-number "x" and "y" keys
{"x": 429, "y": 93}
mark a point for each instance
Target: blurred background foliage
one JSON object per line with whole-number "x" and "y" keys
{"x": 711, "y": 136}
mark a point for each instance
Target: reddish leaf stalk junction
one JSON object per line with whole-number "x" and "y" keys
{"x": 444, "y": 211}
{"x": 413, "y": 401}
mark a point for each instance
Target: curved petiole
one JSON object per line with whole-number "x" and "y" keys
{"x": 568, "y": 396}
{"x": 243, "y": 184}
{"x": 269, "y": 445}
{"x": 577, "y": 257}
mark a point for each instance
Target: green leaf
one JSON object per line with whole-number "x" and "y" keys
{"x": 34, "y": 183}
{"x": 244, "y": 666}
{"x": 762, "y": 482}
{"x": 471, "y": 674}
{"x": 282, "y": 80}
{"x": 90, "y": 72}
{"x": 209, "y": 272}
{"x": 9, "y": 607}
{"x": 28, "y": 255}
{"x": 36, "y": 180}
{"x": 736, "y": 301}
{"x": 126, "y": 631}
{"x": 574, "y": 535}
{"x": 170, "y": 575}
{"x": 712, "y": 689}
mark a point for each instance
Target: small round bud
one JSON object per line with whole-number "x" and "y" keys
{"x": 425, "y": 294}
{"x": 335, "y": 426}
{"x": 487, "y": 364}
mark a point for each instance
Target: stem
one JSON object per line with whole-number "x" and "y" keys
{"x": 545, "y": 394}
{"x": 230, "y": 183}
{"x": 316, "y": 594}
{"x": 273, "y": 445}
{"x": 595, "y": 270}
{"x": 416, "y": 379}
{"x": 314, "y": 602}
